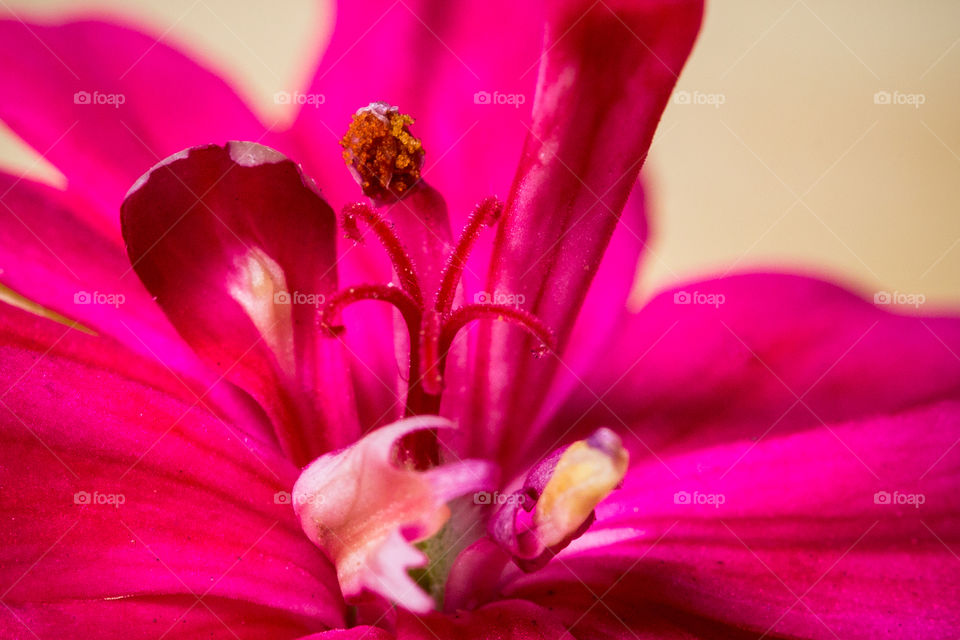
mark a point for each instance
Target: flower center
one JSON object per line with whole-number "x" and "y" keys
{"x": 432, "y": 324}
{"x": 383, "y": 509}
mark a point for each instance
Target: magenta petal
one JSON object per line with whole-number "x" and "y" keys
{"x": 605, "y": 78}
{"x": 56, "y": 258}
{"x": 599, "y": 317}
{"x": 507, "y": 620}
{"x": 354, "y": 633}
{"x": 845, "y": 516}
{"x": 122, "y": 501}
{"x": 53, "y": 77}
{"x": 771, "y": 355}
{"x": 174, "y": 617}
{"x": 512, "y": 620}
{"x": 46, "y": 247}
{"x": 238, "y": 248}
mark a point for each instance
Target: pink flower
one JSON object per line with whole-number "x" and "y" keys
{"x": 198, "y": 404}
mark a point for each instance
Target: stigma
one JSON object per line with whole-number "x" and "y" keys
{"x": 433, "y": 321}
{"x": 381, "y": 152}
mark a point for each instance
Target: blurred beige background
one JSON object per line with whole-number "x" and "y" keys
{"x": 776, "y": 150}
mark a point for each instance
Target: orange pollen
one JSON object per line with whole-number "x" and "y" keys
{"x": 383, "y": 155}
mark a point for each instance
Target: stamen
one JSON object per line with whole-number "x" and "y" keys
{"x": 386, "y": 159}
{"x": 391, "y": 243}
{"x": 383, "y": 155}
{"x": 466, "y": 314}
{"x": 486, "y": 214}
{"x": 330, "y": 312}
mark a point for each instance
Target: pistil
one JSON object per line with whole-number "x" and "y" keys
{"x": 383, "y": 509}
{"x": 431, "y": 324}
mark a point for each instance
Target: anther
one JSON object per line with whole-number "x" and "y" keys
{"x": 384, "y": 157}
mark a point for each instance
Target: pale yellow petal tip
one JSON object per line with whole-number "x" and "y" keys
{"x": 585, "y": 474}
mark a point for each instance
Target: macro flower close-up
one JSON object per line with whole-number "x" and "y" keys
{"x": 391, "y": 364}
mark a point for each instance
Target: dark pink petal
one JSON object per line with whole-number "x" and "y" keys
{"x": 124, "y": 503}
{"x": 599, "y": 315}
{"x": 607, "y": 296}
{"x": 429, "y": 58}
{"x": 354, "y": 633}
{"x": 508, "y": 620}
{"x": 801, "y": 536}
{"x": 758, "y": 355}
{"x": 51, "y": 74}
{"x": 150, "y": 617}
{"x": 606, "y": 75}
{"x": 377, "y": 370}
{"x": 475, "y": 575}
{"x": 512, "y": 620}
{"x": 238, "y": 248}
{"x": 55, "y": 258}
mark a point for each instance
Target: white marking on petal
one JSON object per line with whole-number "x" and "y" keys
{"x": 251, "y": 154}
{"x": 260, "y": 287}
